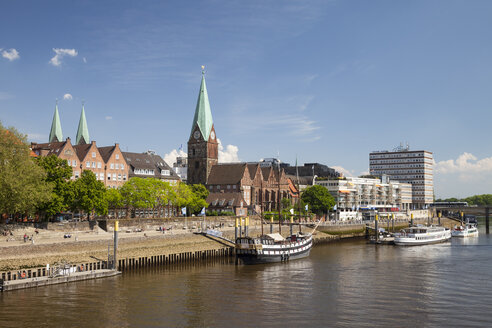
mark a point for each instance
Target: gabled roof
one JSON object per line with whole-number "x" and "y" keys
{"x": 106, "y": 152}
{"x": 83, "y": 130}
{"x": 51, "y": 147}
{"x": 230, "y": 173}
{"x": 82, "y": 150}
{"x": 203, "y": 113}
{"x": 252, "y": 167}
{"x": 149, "y": 161}
{"x": 139, "y": 160}
{"x": 56, "y": 134}
{"x": 265, "y": 171}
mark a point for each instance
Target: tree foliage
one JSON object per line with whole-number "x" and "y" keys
{"x": 22, "y": 182}
{"x": 318, "y": 198}
{"x": 89, "y": 194}
{"x": 198, "y": 198}
{"x": 58, "y": 174}
{"x": 479, "y": 200}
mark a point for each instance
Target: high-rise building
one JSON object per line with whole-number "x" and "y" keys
{"x": 203, "y": 149}
{"x": 407, "y": 166}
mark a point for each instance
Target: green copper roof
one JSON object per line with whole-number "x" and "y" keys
{"x": 82, "y": 131}
{"x": 56, "y": 134}
{"x": 203, "y": 114}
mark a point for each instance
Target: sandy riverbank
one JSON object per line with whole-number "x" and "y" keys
{"x": 51, "y": 247}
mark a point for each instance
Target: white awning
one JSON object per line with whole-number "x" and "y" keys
{"x": 276, "y": 236}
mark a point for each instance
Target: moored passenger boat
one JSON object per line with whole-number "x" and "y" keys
{"x": 469, "y": 230}
{"x": 422, "y": 235}
{"x": 273, "y": 248}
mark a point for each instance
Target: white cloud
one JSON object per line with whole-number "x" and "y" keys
{"x": 465, "y": 163}
{"x": 170, "y": 158}
{"x": 108, "y": 118}
{"x": 60, "y": 53}
{"x": 10, "y": 54}
{"x": 67, "y": 96}
{"x": 344, "y": 171}
{"x": 229, "y": 154}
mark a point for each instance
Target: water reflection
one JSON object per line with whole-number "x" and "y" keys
{"x": 342, "y": 284}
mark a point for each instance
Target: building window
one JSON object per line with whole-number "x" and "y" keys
{"x": 74, "y": 163}
{"x": 119, "y": 177}
{"x": 124, "y": 177}
{"x": 98, "y": 165}
{"x": 234, "y": 187}
{"x": 112, "y": 165}
{"x": 109, "y": 176}
{"x": 114, "y": 176}
{"x": 197, "y": 165}
{"x": 117, "y": 156}
{"x": 122, "y": 166}
{"x": 228, "y": 186}
{"x": 68, "y": 161}
{"x": 93, "y": 154}
{"x": 101, "y": 176}
{"x": 94, "y": 164}
{"x": 77, "y": 173}
{"x": 87, "y": 164}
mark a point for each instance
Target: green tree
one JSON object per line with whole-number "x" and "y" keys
{"x": 114, "y": 200}
{"x": 198, "y": 198}
{"x": 318, "y": 198}
{"x": 58, "y": 174}
{"x": 182, "y": 195}
{"x": 22, "y": 182}
{"x": 89, "y": 195}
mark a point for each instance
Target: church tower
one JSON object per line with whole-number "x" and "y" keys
{"x": 56, "y": 134}
{"x": 82, "y": 131}
{"x": 203, "y": 149}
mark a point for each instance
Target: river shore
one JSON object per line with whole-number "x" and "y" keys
{"x": 50, "y": 247}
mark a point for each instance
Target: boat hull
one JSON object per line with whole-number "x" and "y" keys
{"x": 274, "y": 253}
{"x": 264, "y": 258}
{"x": 402, "y": 241}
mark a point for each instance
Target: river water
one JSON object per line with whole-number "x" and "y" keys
{"x": 345, "y": 284}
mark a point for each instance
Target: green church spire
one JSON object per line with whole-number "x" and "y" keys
{"x": 203, "y": 114}
{"x": 82, "y": 131}
{"x": 56, "y": 134}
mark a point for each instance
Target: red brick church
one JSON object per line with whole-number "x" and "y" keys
{"x": 241, "y": 188}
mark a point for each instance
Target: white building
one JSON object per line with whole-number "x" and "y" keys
{"x": 352, "y": 194}
{"x": 181, "y": 168}
{"x": 413, "y": 167}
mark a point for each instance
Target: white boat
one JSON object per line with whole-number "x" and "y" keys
{"x": 422, "y": 235}
{"x": 469, "y": 230}
{"x": 273, "y": 248}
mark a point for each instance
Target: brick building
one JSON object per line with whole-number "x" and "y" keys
{"x": 116, "y": 168}
{"x": 149, "y": 165}
{"x": 203, "y": 148}
{"x": 246, "y": 187}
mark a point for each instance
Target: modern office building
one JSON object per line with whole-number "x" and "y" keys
{"x": 408, "y": 166}
{"x": 353, "y": 194}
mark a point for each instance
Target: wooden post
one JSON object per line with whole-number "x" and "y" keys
{"x": 487, "y": 211}
{"x": 376, "y": 228}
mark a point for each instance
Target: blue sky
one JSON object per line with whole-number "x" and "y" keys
{"x": 328, "y": 81}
